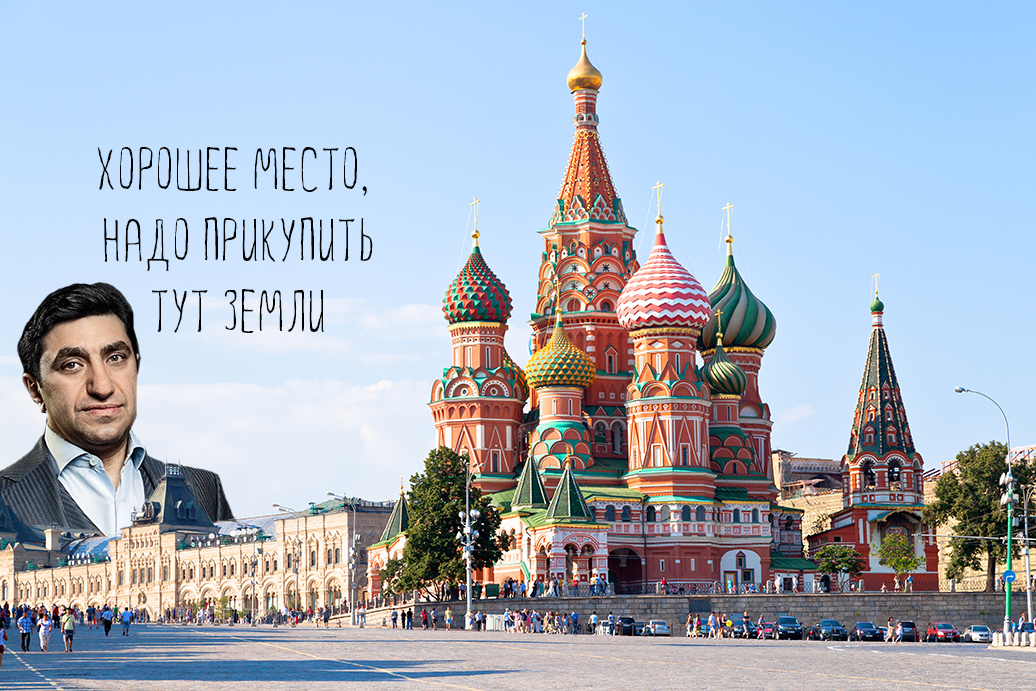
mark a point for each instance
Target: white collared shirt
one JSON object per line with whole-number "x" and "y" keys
{"x": 84, "y": 476}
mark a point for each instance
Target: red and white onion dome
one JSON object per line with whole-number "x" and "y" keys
{"x": 663, "y": 293}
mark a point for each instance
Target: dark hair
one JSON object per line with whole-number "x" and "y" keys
{"x": 68, "y": 304}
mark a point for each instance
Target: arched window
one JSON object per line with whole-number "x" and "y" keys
{"x": 651, "y": 514}
{"x": 625, "y": 514}
{"x": 737, "y": 516}
{"x": 573, "y": 306}
{"x": 699, "y": 513}
{"x": 609, "y": 513}
{"x": 665, "y": 514}
{"x": 611, "y": 363}
{"x": 788, "y": 523}
{"x": 685, "y": 514}
{"x": 606, "y": 306}
{"x": 869, "y": 478}
{"x": 755, "y": 515}
{"x": 894, "y": 474}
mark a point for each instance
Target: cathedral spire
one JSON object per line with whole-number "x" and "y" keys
{"x": 587, "y": 191}
{"x": 880, "y": 424}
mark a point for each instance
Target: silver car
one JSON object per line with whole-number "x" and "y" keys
{"x": 657, "y": 627}
{"x": 977, "y": 633}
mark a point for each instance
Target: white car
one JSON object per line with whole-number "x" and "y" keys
{"x": 657, "y": 627}
{"x": 977, "y": 634}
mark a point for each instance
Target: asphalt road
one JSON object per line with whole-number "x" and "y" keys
{"x": 240, "y": 658}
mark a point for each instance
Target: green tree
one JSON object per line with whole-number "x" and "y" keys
{"x": 897, "y": 553}
{"x": 970, "y": 496}
{"x": 841, "y": 560}
{"x": 432, "y": 559}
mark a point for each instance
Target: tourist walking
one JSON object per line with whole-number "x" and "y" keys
{"x": 127, "y": 618}
{"x": 106, "y": 619}
{"x": 3, "y": 643}
{"x": 24, "y": 624}
{"x": 68, "y": 628}
{"x": 45, "y": 626}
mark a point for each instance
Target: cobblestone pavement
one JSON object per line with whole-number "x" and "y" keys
{"x": 240, "y": 658}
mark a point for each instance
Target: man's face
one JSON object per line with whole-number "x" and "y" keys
{"x": 88, "y": 382}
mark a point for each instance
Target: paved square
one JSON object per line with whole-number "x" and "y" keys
{"x": 240, "y": 658}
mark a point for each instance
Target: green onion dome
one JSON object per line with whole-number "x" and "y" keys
{"x": 877, "y": 305}
{"x": 559, "y": 363}
{"x": 722, "y": 375}
{"x": 747, "y": 322}
{"x": 476, "y": 295}
{"x": 521, "y": 384}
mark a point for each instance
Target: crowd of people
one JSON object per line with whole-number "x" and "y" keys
{"x": 42, "y": 622}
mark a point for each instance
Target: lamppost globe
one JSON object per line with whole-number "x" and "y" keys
{"x": 960, "y": 389}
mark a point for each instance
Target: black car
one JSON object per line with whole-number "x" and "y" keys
{"x": 789, "y": 627}
{"x": 866, "y": 631}
{"x": 738, "y": 630}
{"x": 625, "y": 626}
{"x": 828, "y": 630}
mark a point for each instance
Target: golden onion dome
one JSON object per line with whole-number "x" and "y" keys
{"x": 584, "y": 75}
{"x": 559, "y": 363}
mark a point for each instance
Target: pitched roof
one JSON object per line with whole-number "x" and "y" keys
{"x": 399, "y": 521}
{"x": 173, "y": 507}
{"x": 568, "y": 504}
{"x": 530, "y": 492}
{"x": 879, "y": 407}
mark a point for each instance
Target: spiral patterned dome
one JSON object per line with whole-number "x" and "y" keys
{"x": 559, "y": 363}
{"x": 722, "y": 375}
{"x": 747, "y": 322}
{"x": 662, "y": 293}
{"x": 476, "y": 295}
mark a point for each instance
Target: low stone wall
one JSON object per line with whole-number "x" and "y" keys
{"x": 960, "y": 609}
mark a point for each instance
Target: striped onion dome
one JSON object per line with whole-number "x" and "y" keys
{"x": 559, "y": 363}
{"x": 476, "y": 295}
{"x": 747, "y": 322}
{"x": 722, "y": 375}
{"x": 521, "y": 384}
{"x": 662, "y": 293}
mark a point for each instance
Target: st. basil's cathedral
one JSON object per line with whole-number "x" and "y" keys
{"x": 633, "y": 462}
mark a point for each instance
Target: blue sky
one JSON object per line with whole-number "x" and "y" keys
{"x": 852, "y": 138}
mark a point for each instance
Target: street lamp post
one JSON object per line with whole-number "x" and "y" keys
{"x": 1009, "y": 498}
{"x": 296, "y": 548}
{"x": 255, "y": 533}
{"x": 1028, "y": 492}
{"x": 354, "y": 536}
{"x": 467, "y": 538}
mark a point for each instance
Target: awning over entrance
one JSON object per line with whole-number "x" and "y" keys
{"x": 885, "y": 515}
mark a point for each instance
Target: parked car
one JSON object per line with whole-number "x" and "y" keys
{"x": 789, "y": 627}
{"x": 866, "y": 631}
{"x": 884, "y": 632}
{"x": 738, "y": 630}
{"x": 977, "y": 633}
{"x": 625, "y": 626}
{"x": 910, "y": 632}
{"x": 942, "y": 631}
{"x": 1027, "y": 627}
{"x": 657, "y": 627}
{"x": 828, "y": 630}
{"x": 768, "y": 629}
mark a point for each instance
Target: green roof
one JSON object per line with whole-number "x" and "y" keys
{"x": 732, "y": 494}
{"x": 568, "y": 503}
{"x": 399, "y": 521}
{"x": 785, "y": 563}
{"x": 530, "y": 492}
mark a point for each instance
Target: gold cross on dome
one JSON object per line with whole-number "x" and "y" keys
{"x": 876, "y": 277}
{"x": 727, "y": 208}
{"x": 719, "y": 323}
{"x": 476, "y": 234}
{"x": 582, "y": 20}
{"x": 658, "y": 190}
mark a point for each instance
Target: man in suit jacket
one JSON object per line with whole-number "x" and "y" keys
{"x": 89, "y": 472}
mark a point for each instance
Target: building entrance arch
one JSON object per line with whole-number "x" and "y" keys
{"x": 624, "y": 568}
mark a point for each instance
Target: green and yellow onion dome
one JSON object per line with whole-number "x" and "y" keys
{"x": 521, "y": 384}
{"x": 722, "y": 375}
{"x": 559, "y": 363}
{"x": 747, "y": 322}
{"x": 476, "y": 295}
{"x": 877, "y": 305}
